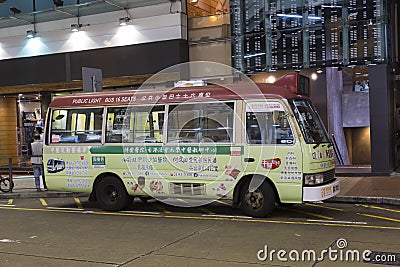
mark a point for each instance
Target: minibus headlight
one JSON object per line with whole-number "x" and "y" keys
{"x": 313, "y": 179}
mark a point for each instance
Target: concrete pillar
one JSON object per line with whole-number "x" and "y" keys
{"x": 381, "y": 97}
{"x": 334, "y": 88}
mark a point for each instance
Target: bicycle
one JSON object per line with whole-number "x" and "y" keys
{"x": 6, "y": 185}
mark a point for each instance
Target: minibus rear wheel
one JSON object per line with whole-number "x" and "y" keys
{"x": 111, "y": 194}
{"x": 260, "y": 202}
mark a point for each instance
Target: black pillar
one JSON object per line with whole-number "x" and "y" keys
{"x": 381, "y": 100}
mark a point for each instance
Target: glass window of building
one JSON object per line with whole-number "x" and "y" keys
{"x": 285, "y": 34}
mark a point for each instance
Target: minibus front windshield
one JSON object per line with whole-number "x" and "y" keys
{"x": 310, "y": 123}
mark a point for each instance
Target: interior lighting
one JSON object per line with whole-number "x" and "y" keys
{"x": 331, "y": 6}
{"x": 314, "y": 76}
{"x": 319, "y": 71}
{"x": 124, "y": 21}
{"x": 213, "y": 18}
{"x": 30, "y": 34}
{"x": 270, "y": 79}
{"x": 107, "y": 42}
{"x": 297, "y": 16}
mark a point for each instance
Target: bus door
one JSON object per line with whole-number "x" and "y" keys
{"x": 200, "y": 145}
{"x": 138, "y": 130}
{"x": 273, "y": 149}
{"x": 71, "y": 134}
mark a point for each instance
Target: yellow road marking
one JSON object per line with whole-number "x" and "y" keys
{"x": 224, "y": 203}
{"x": 206, "y": 218}
{"x": 161, "y": 208}
{"x": 10, "y": 201}
{"x": 379, "y": 217}
{"x": 44, "y": 203}
{"x": 325, "y": 207}
{"x": 206, "y": 211}
{"x": 378, "y": 208}
{"x": 308, "y": 213}
{"x": 78, "y": 203}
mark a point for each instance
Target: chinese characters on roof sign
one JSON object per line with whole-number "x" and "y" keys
{"x": 138, "y": 98}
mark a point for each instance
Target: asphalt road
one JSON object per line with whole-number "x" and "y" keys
{"x": 73, "y": 232}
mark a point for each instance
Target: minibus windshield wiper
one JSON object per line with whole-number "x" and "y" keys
{"x": 316, "y": 145}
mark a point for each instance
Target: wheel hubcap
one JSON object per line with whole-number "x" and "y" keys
{"x": 254, "y": 199}
{"x": 111, "y": 193}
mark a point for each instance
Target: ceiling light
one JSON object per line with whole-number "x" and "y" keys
{"x": 124, "y": 21}
{"x": 314, "y": 76}
{"x": 319, "y": 71}
{"x": 213, "y": 18}
{"x": 30, "y": 34}
{"x": 298, "y": 16}
{"x": 107, "y": 42}
{"x": 75, "y": 27}
{"x": 270, "y": 79}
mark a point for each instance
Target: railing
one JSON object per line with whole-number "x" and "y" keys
{"x": 337, "y": 151}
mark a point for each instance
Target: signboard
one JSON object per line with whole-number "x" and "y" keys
{"x": 92, "y": 79}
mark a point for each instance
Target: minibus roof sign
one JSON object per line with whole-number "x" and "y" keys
{"x": 282, "y": 88}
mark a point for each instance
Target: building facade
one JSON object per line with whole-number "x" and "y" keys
{"x": 73, "y": 35}
{"x": 351, "y": 49}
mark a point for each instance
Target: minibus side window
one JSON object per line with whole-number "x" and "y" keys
{"x": 76, "y": 125}
{"x": 268, "y": 128}
{"x": 135, "y": 124}
{"x": 201, "y": 123}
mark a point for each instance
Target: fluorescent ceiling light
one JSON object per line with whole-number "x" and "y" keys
{"x": 254, "y": 55}
{"x": 30, "y": 34}
{"x": 75, "y": 27}
{"x": 124, "y": 21}
{"x": 331, "y": 6}
{"x": 297, "y": 16}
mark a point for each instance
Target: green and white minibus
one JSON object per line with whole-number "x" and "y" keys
{"x": 255, "y": 148}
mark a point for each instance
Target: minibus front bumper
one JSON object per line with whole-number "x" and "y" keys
{"x": 317, "y": 193}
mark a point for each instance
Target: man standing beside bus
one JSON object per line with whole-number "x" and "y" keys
{"x": 37, "y": 160}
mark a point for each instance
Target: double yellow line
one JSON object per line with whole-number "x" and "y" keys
{"x": 376, "y": 216}
{"x": 209, "y": 218}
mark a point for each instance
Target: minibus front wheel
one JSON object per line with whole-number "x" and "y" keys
{"x": 111, "y": 194}
{"x": 259, "y": 202}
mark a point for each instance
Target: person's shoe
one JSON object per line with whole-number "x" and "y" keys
{"x": 39, "y": 190}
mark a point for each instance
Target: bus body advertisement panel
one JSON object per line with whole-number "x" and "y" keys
{"x": 253, "y": 150}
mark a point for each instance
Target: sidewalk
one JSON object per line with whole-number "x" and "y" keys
{"x": 24, "y": 187}
{"x": 369, "y": 189}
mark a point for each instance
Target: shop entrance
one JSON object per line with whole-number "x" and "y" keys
{"x": 29, "y": 121}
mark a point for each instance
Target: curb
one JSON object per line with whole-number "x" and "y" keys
{"x": 47, "y": 194}
{"x": 363, "y": 200}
